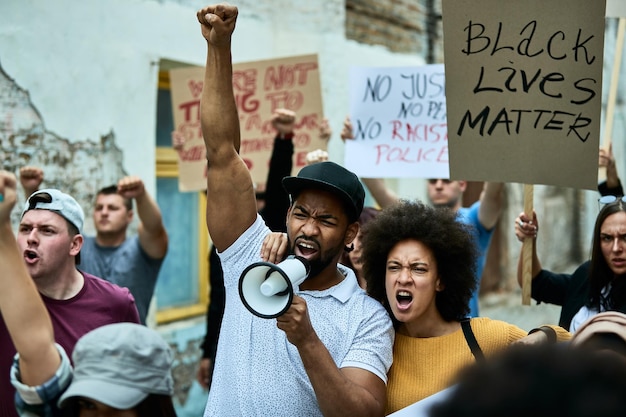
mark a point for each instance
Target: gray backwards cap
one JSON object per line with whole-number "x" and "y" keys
{"x": 331, "y": 177}
{"x": 119, "y": 365}
{"x": 62, "y": 204}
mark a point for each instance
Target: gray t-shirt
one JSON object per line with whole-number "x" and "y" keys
{"x": 126, "y": 265}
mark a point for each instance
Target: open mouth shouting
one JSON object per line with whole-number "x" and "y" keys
{"x": 30, "y": 256}
{"x": 307, "y": 248}
{"x": 404, "y": 299}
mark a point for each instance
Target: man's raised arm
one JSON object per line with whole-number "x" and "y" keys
{"x": 20, "y": 301}
{"x": 231, "y": 205}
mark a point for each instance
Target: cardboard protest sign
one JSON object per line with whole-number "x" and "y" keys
{"x": 186, "y": 90}
{"x": 524, "y": 90}
{"x": 260, "y": 88}
{"x": 398, "y": 116}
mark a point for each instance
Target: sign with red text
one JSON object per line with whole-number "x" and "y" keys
{"x": 260, "y": 87}
{"x": 524, "y": 90}
{"x": 398, "y": 116}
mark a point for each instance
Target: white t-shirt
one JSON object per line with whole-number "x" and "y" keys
{"x": 585, "y": 313}
{"x": 259, "y": 373}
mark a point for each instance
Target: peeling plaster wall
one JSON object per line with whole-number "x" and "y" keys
{"x": 89, "y": 69}
{"x": 80, "y": 168}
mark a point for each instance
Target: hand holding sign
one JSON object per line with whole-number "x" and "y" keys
{"x": 606, "y": 162}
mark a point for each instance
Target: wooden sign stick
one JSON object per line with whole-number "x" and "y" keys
{"x": 527, "y": 247}
{"x": 610, "y": 106}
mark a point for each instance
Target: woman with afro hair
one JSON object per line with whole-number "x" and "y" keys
{"x": 419, "y": 262}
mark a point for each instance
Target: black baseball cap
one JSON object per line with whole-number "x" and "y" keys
{"x": 333, "y": 178}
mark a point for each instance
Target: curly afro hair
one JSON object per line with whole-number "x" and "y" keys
{"x": 451, "y": 242}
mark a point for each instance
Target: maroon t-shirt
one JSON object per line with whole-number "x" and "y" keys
{"x": 98, "y": 303}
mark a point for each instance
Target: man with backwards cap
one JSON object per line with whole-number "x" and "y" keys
{"x": 329, "y": 353}
{"x": 49, "y": 240}
{"x": 134, "y": 261}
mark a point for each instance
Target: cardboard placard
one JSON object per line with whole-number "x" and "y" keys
{"x": 524, "y": 90}
{"x": 260, "y": 88}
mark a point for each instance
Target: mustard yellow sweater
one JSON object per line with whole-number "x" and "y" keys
{"x": 424, "y": 366}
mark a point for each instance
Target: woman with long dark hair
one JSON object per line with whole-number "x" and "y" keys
{"x": 598, "y": 284}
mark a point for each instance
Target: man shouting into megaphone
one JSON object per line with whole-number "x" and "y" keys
{"x": 329, "y": 353}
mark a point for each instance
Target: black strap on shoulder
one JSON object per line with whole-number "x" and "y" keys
{"x": 471, "y": 340}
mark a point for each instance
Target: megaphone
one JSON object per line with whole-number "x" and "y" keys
{"x": 267, "y": 289}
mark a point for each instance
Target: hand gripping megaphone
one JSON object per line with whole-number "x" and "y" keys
{"x": 267, "y": 289}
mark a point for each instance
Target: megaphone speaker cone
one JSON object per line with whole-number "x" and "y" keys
{"x": 267, "y": 289}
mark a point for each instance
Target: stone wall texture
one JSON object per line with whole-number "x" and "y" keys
{"x": 406, "y": 26}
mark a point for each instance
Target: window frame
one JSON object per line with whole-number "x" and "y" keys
{"x": 167, "y": 167}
